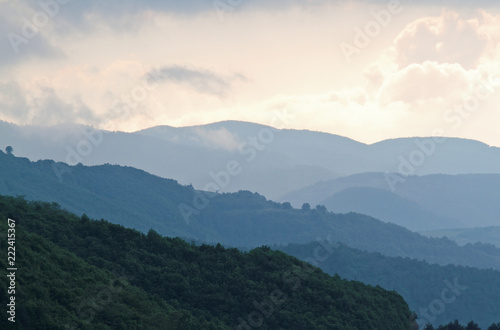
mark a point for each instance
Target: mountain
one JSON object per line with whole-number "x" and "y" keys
{"x": 65, "y": 281}
{"x": 490, "y": 235}
{"x": 271, "y": 161}
{"x": 139, "y": 200}
{"x": 388, "y": 206}
{"x": 474, "y": 296}
{"x": 423, "y": 203}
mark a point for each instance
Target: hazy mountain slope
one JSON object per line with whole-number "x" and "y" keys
{"x": 418, "y": 282}
{"x": 276, "y": 157}
{"x": 468, "y": 200}
{"x": 220, "y": 288}
{"x": 490, "y": 235}
{"x": 387, "y": 206}
{"x": 472, "y": 199}
{"x": 139, "y": 200}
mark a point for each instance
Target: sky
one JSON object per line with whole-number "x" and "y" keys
{"x": 369, "y": 70}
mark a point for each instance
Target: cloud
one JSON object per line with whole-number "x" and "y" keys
{"x": 122, "y": 15}
{"x": 448, "y": 38}
{"x": 13, "y": 103}
{"x": 119, "y": 7}
{"x": 218, "y": 139}
{"x": 21, "y": 38}
{"x": 436, "y": 60}
{"x": 41, "y": 106}
{"x": 198, "y": 80}
{"x": 291, "y": 58}
{"x": 424, "y": 82}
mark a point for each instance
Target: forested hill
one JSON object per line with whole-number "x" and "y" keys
{"x": 136, "y": 199}
{"x": 66, "y": 279}
{"x": 476, "y": 297}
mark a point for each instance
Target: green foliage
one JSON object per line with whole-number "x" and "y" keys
{"x": 66, "y": 267}
{"x": 456, "y": 326}
{"x": 57, "y": 290}
{"x": 495, "y": 326}
{"x": 418, "y": 282}
{"x": 136, "y": 199}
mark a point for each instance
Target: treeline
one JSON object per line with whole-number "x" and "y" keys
{"x": 469, "y": 293}
{"x": 136, "y": 199}
{"x": 74, "y": 272}
{"x": 457, "y": 326}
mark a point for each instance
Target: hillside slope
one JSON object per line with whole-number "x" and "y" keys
{"x": 136, "y": 199}
{"x": 218, "y": 288}
{"x": 390, "y": 207}
{"x": 475, "y": 297}
{"x": 462, "y": 236}
{"x": 440, "y": 201}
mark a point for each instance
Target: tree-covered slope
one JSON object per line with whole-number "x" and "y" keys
{"x": 64, "y": 259}
{"x": 462, "y": 236}
{"x": 475, "y": 297}
{"x": 55, "y": 289}
{"x": 142, "y": 201}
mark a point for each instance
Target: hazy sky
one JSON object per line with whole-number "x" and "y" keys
{"x": 369, "y": 70}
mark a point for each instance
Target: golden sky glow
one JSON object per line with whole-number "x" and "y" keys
{"x": 415, "y": 70}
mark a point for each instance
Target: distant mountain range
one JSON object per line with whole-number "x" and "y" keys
{"x": 435, "y": 195}
{"x": 272, "y": 162}
{"x": 421, "y": 203}
{"x": 490, "y": 235}
{"x": 143, "y": 201}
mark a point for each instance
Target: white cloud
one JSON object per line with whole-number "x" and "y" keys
{"x": 41, "y": 106}
{"x": 218, "y": 139}
{"x": 448, "y": 38}
{"x": 291, "y": 59}
{"x": 424, "y": 82}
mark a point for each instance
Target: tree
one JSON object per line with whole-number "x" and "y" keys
{"x": 494, "y": 326}
{"x": 321, "y": 208}
{"x": 472, "y": 326}
{"x": 9, "y": 150}
{"x": 306, "y": 207}
{"x": 451, "y": 326}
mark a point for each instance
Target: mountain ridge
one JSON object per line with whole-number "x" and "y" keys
{"x": 452, "y": 201}
{"x": 275, "y": 156}
{"x": 244, "y": 219}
